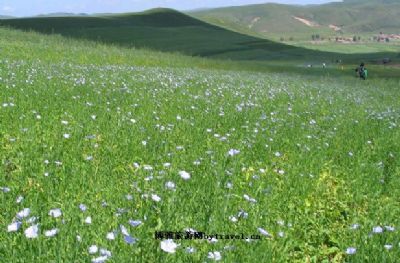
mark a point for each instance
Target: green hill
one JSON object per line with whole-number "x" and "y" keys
{"x": 276, "y": 20}
{"x": 160, "y": 29}
{"x": 171, "y": 31}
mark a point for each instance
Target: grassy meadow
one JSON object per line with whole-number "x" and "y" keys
{"x": 353, "y": 48}
{"x": 102, "y": 145}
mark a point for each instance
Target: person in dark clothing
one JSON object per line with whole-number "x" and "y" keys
{"x": 361, "y": 71}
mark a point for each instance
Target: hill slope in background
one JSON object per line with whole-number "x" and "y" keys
{"x": 274, "y": 20}
{"x": 161, "y": 29}
{"x": 171, "y": 31}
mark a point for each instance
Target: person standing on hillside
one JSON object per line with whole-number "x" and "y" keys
{"x": 362, "y": 71}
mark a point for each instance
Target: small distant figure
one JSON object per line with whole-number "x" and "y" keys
{"x": 323, "y": 65}
{"x": 385, "y": 61}
{"x": 362, "y": 71}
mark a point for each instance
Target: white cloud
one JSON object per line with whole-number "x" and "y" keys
{"x": 7, "y": 9}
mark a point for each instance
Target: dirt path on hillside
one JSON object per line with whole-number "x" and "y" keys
{"x": 306, "y": 22}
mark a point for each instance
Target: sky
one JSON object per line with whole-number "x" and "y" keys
{"x": 35, "y": 7}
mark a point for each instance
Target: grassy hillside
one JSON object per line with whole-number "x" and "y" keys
{"x": 92, "y": 52}
{"x": 171, "y": 31}
{"x": 101, "y": 147}
{"x": 160, "y": 29}
{"x": 276, "y": 20}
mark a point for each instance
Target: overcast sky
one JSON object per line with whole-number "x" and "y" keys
{"x": 34, "y": 7}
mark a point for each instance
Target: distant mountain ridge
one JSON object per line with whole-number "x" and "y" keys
{"x": 62, "y": 14}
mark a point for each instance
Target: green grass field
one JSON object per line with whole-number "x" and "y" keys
{"x": 95, "y": 141}
{"x": 352, "y": 48}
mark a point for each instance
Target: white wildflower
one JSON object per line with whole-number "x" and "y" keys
{"x": 105, "y": 252}
{"x": 110, "y": 236}
{"x": 32, "y": 231}
{"x": 233, "y": 152}
{"x": 248, "y": 198}
{"x": 24, "y": 213}
{"x": 170, "y": 185}
{"x": 190, "y": 250}
{"x": 351, "y": 250}
{"x": 101, "y": 259}
{"x": 264, "y": 232}
{"x": 82, "y": 207}
{"x": 155, "y": 198}
{"x": 388, "y": 246}
{"x": 233, "y": 219}
{"x": 184, "y": 175}
{"x": 13, "y": 227}
{"x": 216, "y": 255}
{"x": 169, "y": 246}
{"x": 377, "y": 230}
{"x": 135, "y": 223}
{"x": 55, "y": 212}
{"x": 51, "y": 233}
{"x": 88, "y": 220}
{"x": 93, "y": 249}
{"x": 19, "y": 199}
